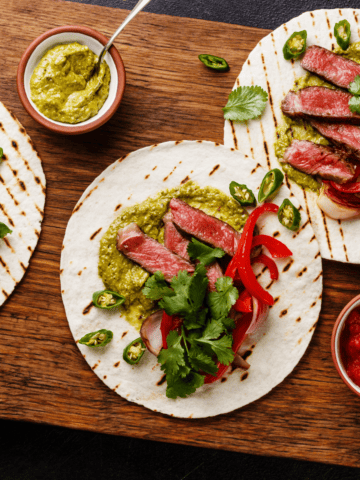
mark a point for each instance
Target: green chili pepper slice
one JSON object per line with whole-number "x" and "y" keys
{"x": 342, "y": 34}
{"x": 295, "y": 45}
{"x": 99, "y": 338}
{"x": 107, "y": 299}
{"x": 270, "y": 185}
{"x": 134, "y": 351}
{"x": 216, "y": 63}
{"x": 242, "y": 194}
{"x": 289, "y": 216}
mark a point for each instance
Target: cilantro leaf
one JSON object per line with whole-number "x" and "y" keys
{"x": 354, "y": 104}
{"x": 354, "y": 86}
{"x": 222, "y": 349}
{"x": 200, "y": 361}
{"x": 4, "y": 230}
{"x": 156, "y": 287}
{"x": 213, "y": 330}
{"x": 228, "y": 323}
{"x": 181, "y": 387}
{"x": 206, "y": 255}
{"x": 173, "y": 357}
{"x": 221, "y": 301}
{"x": 245, "y": 103}
{"x": 1, "y": 154}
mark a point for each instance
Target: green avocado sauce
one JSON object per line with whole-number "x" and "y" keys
{"x": 62, "y": 85}
{"x": 301, "y": 130}
{"x": 125, "y": 277}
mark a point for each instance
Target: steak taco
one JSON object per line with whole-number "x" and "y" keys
{"x": 310, "y": 127}
{"x": 154, "y": 245}
{"x": 22, "y": 192}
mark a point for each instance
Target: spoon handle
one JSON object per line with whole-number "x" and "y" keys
{"x": 138, "y": 7}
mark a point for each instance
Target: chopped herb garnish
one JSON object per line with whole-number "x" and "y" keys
{"x": 4, "y": 230}
{"x": 204, "y": 339}
{"x": 354, "y": 86}
{"x": 354, "y": 104}
{"x": 205, "y": 254}
{"x": 1, "y": 154}
{"x": 245, "y": 103}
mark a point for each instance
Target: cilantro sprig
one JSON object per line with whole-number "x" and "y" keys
{"x": 205, "y": 338}
{"x": 4, "y": 230}
{"x": 354, "y": 88}
{"x": 245, "y": 103}
{"x": 205, "y": 254}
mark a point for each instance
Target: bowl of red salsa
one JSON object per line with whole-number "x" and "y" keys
{"x": 345, "y": 345}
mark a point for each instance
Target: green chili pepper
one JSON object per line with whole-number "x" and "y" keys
{"x": 342, "y": 34}
{"x": 134, "y": 351}
{"x": 270, "y": 185}
{"x": 289, "y": 216}
{"x": 106, "y": 299}
{"x": 97, "y": 339}
{"x": 216, "y": 63}
{"x": 295, "y": 45}
{"x": 242, "y": 194}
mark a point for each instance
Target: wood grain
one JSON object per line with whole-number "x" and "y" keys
{"x": 312, "y": 415}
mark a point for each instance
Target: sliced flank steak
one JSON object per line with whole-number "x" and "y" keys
{"x": 206, "y": 228}
{"x": 177, "y": 243}
{"x": 320, "y": 103}
{"x": 150, "y": 254}
{"x": 327, "y": 162}
{"x": 342, "y": 135}
{"x": 331, "y": 67}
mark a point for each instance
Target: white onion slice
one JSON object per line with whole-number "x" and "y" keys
{"x": 151, "y": 334}
{"x": 335, "y": 210}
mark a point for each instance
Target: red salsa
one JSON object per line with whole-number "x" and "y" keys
{"x": 350, "y": 346}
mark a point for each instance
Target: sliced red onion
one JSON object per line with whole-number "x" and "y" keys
{"x": 151, "y": 334}
{"x": 260, "y": 313}
{"x": 240, "y": 362}
{"x": 333, "y": 209}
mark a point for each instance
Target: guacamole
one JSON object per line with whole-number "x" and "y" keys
{"x": 63, "y": 86}
{"x": 125, "y": 277}
{"x": 301, "y": 130}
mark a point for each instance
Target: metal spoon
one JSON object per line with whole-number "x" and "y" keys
{"x": 138, "y": 7}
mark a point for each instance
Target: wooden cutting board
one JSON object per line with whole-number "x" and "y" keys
{"x": 169, "y": 95}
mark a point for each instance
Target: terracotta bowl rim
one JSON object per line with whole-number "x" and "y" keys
{"x": 354, "y": 303}
{"x": 70, "y": 129}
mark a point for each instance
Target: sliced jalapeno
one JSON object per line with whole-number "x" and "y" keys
{"x": 216, "y": 63}
{"x": 134, "y": 351}
{"x": 106, "y": 299}
{"x": 289, "y": 216}
{"x": 270, "y": 185}
{"x": 342, "y": 34}
{"x": 242, "y": 194}
{"x": 97, "y": 339}
{"x": 295, "y": 45}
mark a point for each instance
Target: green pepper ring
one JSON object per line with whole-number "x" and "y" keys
{"x": 127, "y": 348}
{"x": 295, "y": 224}
{"x": 243, "y": 203}
{"x": 109, "y": 335}
{"x": 215, "y": 63}
{"x": 288, "y": 54}
{"x": 343, "y": 43}
{"x": 277, "y": 180}
{"x": 96, "y": 295}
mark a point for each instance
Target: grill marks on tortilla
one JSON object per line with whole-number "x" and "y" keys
{"x": 269, "y": 91}
{"x": 95, "y": 233}
{"x": 214, "y": 170}
{"x": 234, "y": 134}
{"x": 326, "y": 232}
{"x": 343, "y": 240}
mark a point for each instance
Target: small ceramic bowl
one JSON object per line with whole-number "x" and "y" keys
{"x": 335, "y": 343}
{"x": 68, "y": 34}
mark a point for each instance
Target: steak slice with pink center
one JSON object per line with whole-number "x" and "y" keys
{"x": 206, "y": 228}
{"x": 321, "y": 103}
{"x": 150, "y": 254}
{"x": 177, "y": 243}
{"x": 332, "y": 67}
{"x": 342, "y": 135}
{"x": 327, "y": 162}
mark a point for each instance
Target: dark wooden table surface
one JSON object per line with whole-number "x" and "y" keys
{"x": 169, "y": 96}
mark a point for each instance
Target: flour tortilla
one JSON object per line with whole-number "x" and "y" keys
{"x": 267, "y": 67}
{"x": 276, "y": 349}
{"x": 22, "y": 194}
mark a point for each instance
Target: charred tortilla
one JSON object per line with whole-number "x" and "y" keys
{"x": 267, "y": 67}
{"x": 274, "y": 350}
{"x": 22, "y": 193}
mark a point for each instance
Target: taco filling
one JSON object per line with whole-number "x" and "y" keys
{"x": 318, "y": 144}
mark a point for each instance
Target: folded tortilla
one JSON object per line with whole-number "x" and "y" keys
{"x": 22, "y": 194}
{"x": 267, "y": 68}
{"x": 273, "y": 351}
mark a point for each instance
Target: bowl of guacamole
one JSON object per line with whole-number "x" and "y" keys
{"x": 57, "y": 84}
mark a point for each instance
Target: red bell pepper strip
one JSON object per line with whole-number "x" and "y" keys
{"x": 241, "y": 260}
{"x": 276, "y": 248}
{"x": 268, "y": 262}
{"x": 244, "y": 302}
{"x": 168, "y": 323}
{"x": 350, "y": 187}
{"x": 238, "y": 337}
